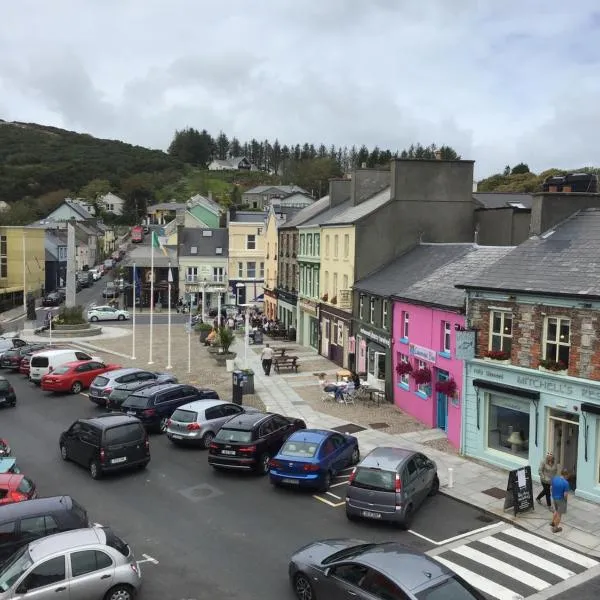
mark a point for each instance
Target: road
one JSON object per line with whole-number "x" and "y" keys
{"x": 214, "y": 535}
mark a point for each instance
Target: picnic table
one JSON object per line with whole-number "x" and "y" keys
{"x": 374, "y": 395}
{"x": 286, "y": 362}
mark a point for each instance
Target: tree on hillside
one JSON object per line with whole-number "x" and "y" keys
{"x": 520, "y": 169}
{"x": 235, "y": 148}
{"x": 235, "y": 196}
{"x": 312, "y": 174}
{"x": 276, "y": 157}
{"x": 222, "y": 143}
{"x": 192, "y": 146}
{"x": 95, "y": 188}
{"x": 138, "y": 192}
{"x": 362, "y": 156}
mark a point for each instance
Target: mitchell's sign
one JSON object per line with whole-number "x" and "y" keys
{"x": 422, "y": 353}
{"x": 375, "y": 337}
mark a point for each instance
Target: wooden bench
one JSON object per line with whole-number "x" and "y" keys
{"x": 286, "y": 362}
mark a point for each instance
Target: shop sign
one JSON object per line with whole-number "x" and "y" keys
{"x": 422, "y": 353}
{"x": 465, "y": 345}
{"x": 375, "y": 337}
{"x": 308, "y": 308}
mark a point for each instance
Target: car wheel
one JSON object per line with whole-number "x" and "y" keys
{"x": 119, "y": 592}
{"x": 94, "y": 318}
{"x": 13, "y": 403}
{"x": 163, "y": 424}
{"x": 63, "y": 452}
{"x": 207, "y": 439}
{"x": 303, "y": 588}
{"x": 263, "y": 464}
{"x": 95, "y": 470}
{"x": 351, "y": 517}
{"x": 355, "y": 458}
{"x": 326, "y": 483}
{"x": 121, "y": 318}
{"x": 76, "y": 387}
{"x": 435, "y": 486}
{"x": 408, "y": 517}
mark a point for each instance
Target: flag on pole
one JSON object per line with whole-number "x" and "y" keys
{"x": 137, "y": 281}
{"x": 156, "y": 243}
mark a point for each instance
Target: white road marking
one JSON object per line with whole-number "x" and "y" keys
{"x": 456, "y": 537}
{"x": 333, "y": 495}
{"x": 338, "y": 484}
{"x": 328, "y": 502}
{"x": 147, "y": 558}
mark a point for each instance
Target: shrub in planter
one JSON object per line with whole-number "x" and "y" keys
{"x": 422, "y": 376}
{"x": 553, "y": 365}
{"x": 225, "y": 338}
{"x": 70, "y": 316}
{"x": 203, "y": 330}
{"x": 448, "y": 387}
{"x": 403, "y": 368}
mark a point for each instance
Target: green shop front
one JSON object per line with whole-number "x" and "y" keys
{"x": 513, "y": 416}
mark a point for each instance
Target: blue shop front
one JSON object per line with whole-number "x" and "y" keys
{"x": 513, "y": 416}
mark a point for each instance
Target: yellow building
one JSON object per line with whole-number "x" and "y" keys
{"x": 22, "y": 263}
{"x": 270, "y": 283}
{"x": 335, "y": 284}
{"x": 247, "y": 257}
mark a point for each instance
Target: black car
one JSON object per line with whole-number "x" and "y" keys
{"x": 105, "y": 444}
{"x": 248, "y": 442}
{"x": 52, "y": 299}
{"x": 23, "y": 522}
{"x": 11, "y": 359}
{"x": 154, "y": 406}
{"x": 7, "y": 393}
{"x": 122, "y": 392}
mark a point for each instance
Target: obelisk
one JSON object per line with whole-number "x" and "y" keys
{"x": 70, "y": 300}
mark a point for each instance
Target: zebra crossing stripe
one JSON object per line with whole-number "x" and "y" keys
{"x": 489, "y": 587}
{"x": 566, "y": 553}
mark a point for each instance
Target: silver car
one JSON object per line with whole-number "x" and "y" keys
{"x": 390, "y": 484}
{"x": 104, "y": 384}
{"x": 83, "y": 564}
{"x": 198, "y": 422}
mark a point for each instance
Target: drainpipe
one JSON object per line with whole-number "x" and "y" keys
{"x": 464, "y": 383}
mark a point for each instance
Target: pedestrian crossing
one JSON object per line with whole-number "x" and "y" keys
{"x": 513, "y": 564}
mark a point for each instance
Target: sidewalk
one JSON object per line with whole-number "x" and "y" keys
{"x": 474, "y": 483}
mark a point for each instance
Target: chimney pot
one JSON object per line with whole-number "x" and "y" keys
{"x": 438, "y": 155}
{"x": 363, "y": 165}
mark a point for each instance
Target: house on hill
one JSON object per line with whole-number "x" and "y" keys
{"x": 235, "y": 163}
{"x": 112, "y": 203}
{"x": 261, "y": 196}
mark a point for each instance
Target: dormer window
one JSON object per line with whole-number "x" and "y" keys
{"x": 219, "y": 251}
{"x": 194, "y": 250}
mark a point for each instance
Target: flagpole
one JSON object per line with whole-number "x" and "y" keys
{"x": 150, "y": 361}
{"x": 24, "y": 276}
{"x": 169, "y": 279}
{"x": 190, "y": 340}
{"x": 246, "y": 337}
{"x": 133, "y": 315}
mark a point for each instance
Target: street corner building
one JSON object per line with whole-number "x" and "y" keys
{"x": 532, "y": 383}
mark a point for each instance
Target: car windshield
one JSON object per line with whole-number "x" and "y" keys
{"x": 450, "y": 589}
{"x": 60, "y": 370}
{"x": 4, "y": 385}
{"x": 184, "y": 416}
{"x": 135, "y": 401}
{"x": 26, "y": 486}
{"x": 124, "y": 434}
{"x": 299, "y": 449}
{"x": 233, "y": 435}
{"x": 375, "y": 479}
{"x": 100, "y": 381}
{"x": 14, "y": 568}
{"x": 119, "y": 394}
{"x": 347, "y": 553}
{"x": 115, "y": 542}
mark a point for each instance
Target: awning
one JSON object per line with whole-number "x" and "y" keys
{"x": 259, "y": 298}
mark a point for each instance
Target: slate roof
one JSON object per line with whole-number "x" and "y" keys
{"x": 355, "y": 213}
{"x": 428, "y": 273}
{"x": 502, "y": 199}
{"x": 166, "y": 206}
{"x": 206, "y": 245}
{"x": 329, "y": 214}
{"x": 284, "y": 189}
{"x": 563, "y": 261}
{"x": 309, "y": 212}
{"x": 208, "y": 203}
{"x": 75, "y": 207}
{"x": 247, "y": 216}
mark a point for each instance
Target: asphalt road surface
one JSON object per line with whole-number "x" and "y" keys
{"x": 198, "y": 534}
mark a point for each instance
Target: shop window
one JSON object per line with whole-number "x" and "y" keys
{"x": 405, "y": 323}
{"x": 501, "y": 327}
{"x": 446, "y": 337}
{"x": 508, "y": 425}
{"x": 557, "y": 340}
{"x": 423, "y": 388}
{"x": 377, "y": 364}
{"x": 371, "y": 310}
{"x": 403, "y": 359}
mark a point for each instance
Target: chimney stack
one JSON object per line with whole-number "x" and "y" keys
{"x": 363, "y": 165}
{"x": 438, "y": 155}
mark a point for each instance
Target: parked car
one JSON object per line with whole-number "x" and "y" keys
{"x": 112, "y": 442}
{"x": 7, "y": 343}
{"x": 23, "y": 522}
{"x": 8, "y": 397}
{"x": 341, "y": 568}
{"x": 47, "y": 360}
{"x": 52, "y": 299}
{"x": 198, "y": 422}
{"x": 88, "y": 563}
{"x": 96, "y": 273}
{"x": 4, "y": 448}
{"x": 110, "y": 292}
{"x": 107, "y": 313}
{"x": 11, "y": 359}
{"x": 155, "y": 405}
{"x": 103, "y": 385}
{"x": 122, "y": 392}
{"x": 312, "y": 457}
{"x": 26, "y": 358}
{"x": 249, "y": 441}
{"x": 390, "y": 484}
{"x": 108, "y": 264}
{"x": 75, "y": 376}
{"x": 16, "y": 487}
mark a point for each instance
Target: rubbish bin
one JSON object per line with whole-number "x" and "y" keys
{"x": 292, "y": 334}
{"x": 258, "y": 337}
{"x": 237, "y": 382}
{"x": 248, "y": 376}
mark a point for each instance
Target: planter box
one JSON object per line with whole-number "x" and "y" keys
{"x": 203, "y": 334}
{"x": 223, "y": 357}
{"x": 562, "y": 372}
{"x": 214, "y": 349}
{"x": 498, "y": 362}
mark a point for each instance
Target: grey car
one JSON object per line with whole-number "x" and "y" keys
{"x": 83, "y": 564}
{"x": 390, "y": 484}
{"x": 104, "y": 384}
{"x": 342, "y": 569}
{"x": 198, "y": 422}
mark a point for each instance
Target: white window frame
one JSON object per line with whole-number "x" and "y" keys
{"x": 502, "y": 335}
{"x": 361, "y": 306}
{"x": 371, "y": 310}
{"x": 557, "y": 342}
{"x": 218, "y": 274}
{"x": 251, "y": 241}
{"x": 240, "y": 269}
{"x": 404, "y": 360}
{"x": 405, "y": 324}
{"x": 261, "y": 270}
{"x": 446, "y": 337}
{"x": 384, "y": 313}
{"x": 422, "y": 387}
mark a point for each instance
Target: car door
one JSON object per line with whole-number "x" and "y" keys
{"x": 89, "y": 444}
{"x": 266, "y": 438}
{"x": 73, "y": 441}
{"x": 32, "y": 528}
{"x": 341, "y": 452}
{"x": 342, "y": 582}
{"x": 143, "y": 376}
{"x": 46, "y": 580}
{"x": 92, "y": 574}
{"x": 412, "y": 483}
{"x": 169, "y": 401}
{"x": 426, "y": 472}
{"x": 377, "y": 586}
{"x": 8, "y": 539}
{"x": 214, "y": 417}
{"x": 282, "y": 429}
{"x": 229, "y": 411}
{"x": 82, "y": 374}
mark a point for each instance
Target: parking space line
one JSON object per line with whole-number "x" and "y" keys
{"x": 456, "y": 537}
{"x": 338, "y": 484}
{"x": 325, "y": 501}
{"x": 83, "y": 394}
{"x": 333, "y": 495}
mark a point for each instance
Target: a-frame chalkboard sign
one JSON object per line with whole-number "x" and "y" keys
{"x": 519, "y": 491}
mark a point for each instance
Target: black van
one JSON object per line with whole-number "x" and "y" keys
{"x": 23, "y": 522}
{"x": 107, "y": 443}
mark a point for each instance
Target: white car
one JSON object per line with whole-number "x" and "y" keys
{"x": 107, "y": 313}
{"x": 96, "y": 274}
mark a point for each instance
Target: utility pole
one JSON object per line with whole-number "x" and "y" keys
{"x": 70, "y": 300}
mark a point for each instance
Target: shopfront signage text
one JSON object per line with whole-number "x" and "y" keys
{"x": 489, "y": 374}
{"x": 375, "y": 337}
{"x": 546, "y": 385}
{"x": 422, "y": 353}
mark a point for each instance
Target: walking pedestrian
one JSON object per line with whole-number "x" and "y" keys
{"x": 548, "y": 469}
{"x": 267, "y": 359}
{"x": 560, "y": 489}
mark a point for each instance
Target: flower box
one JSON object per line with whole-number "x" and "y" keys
{"x": 496, "y": 361}
{"x": 553, "y": 371}
{"x": 553, "y": 366}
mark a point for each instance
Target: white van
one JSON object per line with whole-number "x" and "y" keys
{"x": 46, "y": 361}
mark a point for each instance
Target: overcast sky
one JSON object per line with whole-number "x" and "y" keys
{"x": 502, "y": 82}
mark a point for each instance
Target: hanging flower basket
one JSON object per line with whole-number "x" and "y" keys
{"x": 324, "y": 297}
{"x": 422, "y": 376}
{"x": 448, "y": 388}
{"x": 403, "y": 368}
{"x": 497, "y": 355}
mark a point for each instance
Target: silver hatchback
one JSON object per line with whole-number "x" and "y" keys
{"x": 390, "y": 484}
{"x": 198, "y": 422}
{"x": 83, "y": 564}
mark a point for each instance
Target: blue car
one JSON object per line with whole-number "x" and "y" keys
{"x": 312, "y": 457}
{"x": 9, "y": 465}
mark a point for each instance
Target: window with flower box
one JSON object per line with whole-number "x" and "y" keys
{"x": 423, "y": 388}
{"x": 404, "y": 361}
{"x": 501, "y": 328}
{"x": 557, "y": 340}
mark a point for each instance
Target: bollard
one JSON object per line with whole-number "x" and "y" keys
{"x": 450, "y": 477}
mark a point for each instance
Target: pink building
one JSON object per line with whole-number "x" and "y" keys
{"x": 424, "y": 343}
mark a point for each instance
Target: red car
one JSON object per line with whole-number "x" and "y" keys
{"x": 16, "y": 488}
{"x": 75, "y": 376}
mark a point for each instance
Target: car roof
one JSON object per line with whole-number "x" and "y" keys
{"x": 409, "y": 568}
{"x": 124, "y": 371}
{"x": 246, "y": 421}
{"x": 132, "y": 386}
{"x": 2, "y": 378}
{"x": 386, "y": 457}
{"x": 67, "y": 540}
{"x": 160, "y": 388}
{"x": 50, "y": 353}
{"x": 314, "y": 436}
{"x": 75, "y": 363}
{"x": 109, "y": 420}
{"x": 203, "y": 404}
{"x": 15, "y": 509}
